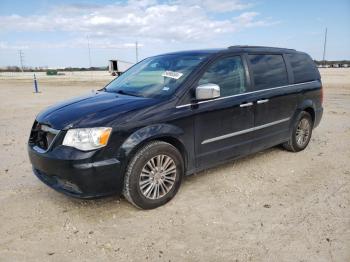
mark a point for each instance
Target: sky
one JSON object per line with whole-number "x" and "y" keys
{"x": 58, "y": 33}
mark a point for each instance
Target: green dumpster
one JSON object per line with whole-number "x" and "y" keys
{"x": 51, "y": 72}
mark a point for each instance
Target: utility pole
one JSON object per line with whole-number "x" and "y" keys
{"x": 88, "y": 39}
{"x": 137, "y": 51}
{"x": 324, "y": 48}
{"x": 20, "y": 52}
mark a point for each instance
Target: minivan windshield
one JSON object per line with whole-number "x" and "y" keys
{"x": 157, "y": 76}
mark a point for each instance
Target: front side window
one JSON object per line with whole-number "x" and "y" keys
{"x": 228, "y": 73}
{"x": 268, "y": 71}
{"x": 157, "y": 76}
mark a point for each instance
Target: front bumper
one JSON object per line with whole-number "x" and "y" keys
{"x": 75, "y": 173}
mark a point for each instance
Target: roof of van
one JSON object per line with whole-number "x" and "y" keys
{"x": 259, "y": 48}
{"x": 238, "y": 48}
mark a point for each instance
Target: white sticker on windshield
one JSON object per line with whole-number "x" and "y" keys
{"x": 172, "y": 74}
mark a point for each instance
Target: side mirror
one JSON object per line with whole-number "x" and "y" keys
{"x": 207, "y": 91}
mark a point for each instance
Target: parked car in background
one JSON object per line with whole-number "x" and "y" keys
{"x": 173, "y": 115}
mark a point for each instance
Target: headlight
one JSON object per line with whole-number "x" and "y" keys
{"x": 87, "y": 138}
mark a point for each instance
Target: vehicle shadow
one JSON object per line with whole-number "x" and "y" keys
{"x": 117, "y": 206}
{"x": 246, "y": 160}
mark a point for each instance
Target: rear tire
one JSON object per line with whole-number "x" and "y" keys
{"x": 153, "y": 175}
{"x": 301, "y": 134}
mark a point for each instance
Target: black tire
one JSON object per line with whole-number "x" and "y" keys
{"x": 292, "y": 144}
{"x": 132, "y": 188}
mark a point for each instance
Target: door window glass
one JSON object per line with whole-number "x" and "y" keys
{"x": 268, "y": 71}
{"x": 228, "y": 73}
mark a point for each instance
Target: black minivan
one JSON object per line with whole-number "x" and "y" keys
{"x": 173, "y": 115}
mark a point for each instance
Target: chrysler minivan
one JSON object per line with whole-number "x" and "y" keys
{"x": 173, "y": 115}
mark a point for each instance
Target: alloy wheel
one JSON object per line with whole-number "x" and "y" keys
{"x": 157, "y": 177}
{"x": 303, "y": 132}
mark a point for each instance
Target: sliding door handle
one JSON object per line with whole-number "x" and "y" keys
{"x": 262, "y": 101}
{"x": 246, "y": 104}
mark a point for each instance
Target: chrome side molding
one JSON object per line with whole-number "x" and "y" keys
{"x": 241, "y": 132}
{"x": 247, "y": 93}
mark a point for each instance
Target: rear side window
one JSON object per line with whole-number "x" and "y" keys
{"x": 268, "y": 71}
{"x": 228, "y": 73}
{"x": 303, "y": 68}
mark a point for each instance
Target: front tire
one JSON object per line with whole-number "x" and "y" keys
{"x": 301, "y": 134}
{"x": 153, "y": 175}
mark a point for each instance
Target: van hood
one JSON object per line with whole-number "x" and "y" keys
{"x": 95, "y": 109}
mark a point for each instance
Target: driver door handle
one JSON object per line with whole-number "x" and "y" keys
{"x": 246, "y": 104}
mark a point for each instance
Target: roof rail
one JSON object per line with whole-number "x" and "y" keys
{"x": 251, "y": 46}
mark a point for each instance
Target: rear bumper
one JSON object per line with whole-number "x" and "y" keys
{"x": 318, "y": 116}
{"x": 81, "y": 177}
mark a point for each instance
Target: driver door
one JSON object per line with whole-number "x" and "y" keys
{"x": 223, "y": 125}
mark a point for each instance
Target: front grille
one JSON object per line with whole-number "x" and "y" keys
{"x": 42, "y": 136}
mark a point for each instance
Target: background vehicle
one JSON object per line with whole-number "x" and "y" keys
{"x": 173, "y": 115}
{"x": 117, "y": 67}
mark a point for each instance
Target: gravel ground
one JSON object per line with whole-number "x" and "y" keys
{"x": 270, "y": 206}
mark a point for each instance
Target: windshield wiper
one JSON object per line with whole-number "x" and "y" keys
{"x": 122, "y": 92}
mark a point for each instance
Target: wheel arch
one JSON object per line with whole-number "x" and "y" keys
{"x": 311, "y": 111}
{"x": 307, "y": 106}
{"x": 164, "y": 132}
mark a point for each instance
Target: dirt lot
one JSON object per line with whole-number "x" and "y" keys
{"x": 271, "y": 206}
